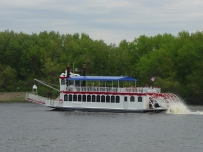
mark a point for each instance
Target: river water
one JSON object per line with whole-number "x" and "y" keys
{"x": 29, "y": 127}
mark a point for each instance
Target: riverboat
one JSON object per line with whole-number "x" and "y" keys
{"x": 103, "y": 94}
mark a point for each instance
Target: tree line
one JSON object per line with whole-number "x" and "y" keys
{"x": 175, "y": 61}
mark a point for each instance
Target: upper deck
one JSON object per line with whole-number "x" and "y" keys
{"x": 114, "y": 87}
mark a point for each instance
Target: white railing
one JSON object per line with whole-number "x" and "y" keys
{"x": 42, "y": 100}
{"x": 35, "y": 98}
{"x": 113, "y": 89}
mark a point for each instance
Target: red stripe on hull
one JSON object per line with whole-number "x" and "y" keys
{"x": 36, "y": 101}
{"x": 106, "y": 93}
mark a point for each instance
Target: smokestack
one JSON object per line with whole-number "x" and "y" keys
{"x": 68, "y": 74}
{"x": 84, "y": 73}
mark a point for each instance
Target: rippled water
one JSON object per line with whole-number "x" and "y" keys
{"x": 28, "y": 127}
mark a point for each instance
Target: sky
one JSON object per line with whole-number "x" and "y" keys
{"x": 109, "y": 20}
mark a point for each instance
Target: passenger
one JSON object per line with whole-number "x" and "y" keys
{"x": 131, "y": 89}
{"x": 151, "y": 100}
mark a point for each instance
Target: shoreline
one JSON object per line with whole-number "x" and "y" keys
{"x": 12, "y": 96}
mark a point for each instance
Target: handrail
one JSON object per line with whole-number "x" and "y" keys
{"x": 35, "y": 98}
{"x": 46, "y": 84}
{"x": 112, "y": 89}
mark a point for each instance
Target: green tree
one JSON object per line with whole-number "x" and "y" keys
{"x": 7, "y": 78}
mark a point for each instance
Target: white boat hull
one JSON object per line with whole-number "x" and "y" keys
{"x": 92, "y": 107}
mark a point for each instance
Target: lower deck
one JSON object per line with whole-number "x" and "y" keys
{"x": 103, "y": 102}
{"x": 99, "y": 102}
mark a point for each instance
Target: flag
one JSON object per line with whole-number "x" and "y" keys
{"x": 153, "y": 79}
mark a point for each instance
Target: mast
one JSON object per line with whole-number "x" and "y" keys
{"x": 68, "y": 75}
{"x": 84, "y": 73}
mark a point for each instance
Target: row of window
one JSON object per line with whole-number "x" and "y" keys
{"x": 98, "y": 98}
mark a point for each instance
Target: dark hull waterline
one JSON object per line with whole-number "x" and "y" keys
{"x": 108, "y": 110}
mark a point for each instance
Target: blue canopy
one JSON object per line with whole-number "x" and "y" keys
{"x": 102, "y": 78}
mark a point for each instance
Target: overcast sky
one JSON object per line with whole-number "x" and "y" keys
{"x": 108, "y": 20}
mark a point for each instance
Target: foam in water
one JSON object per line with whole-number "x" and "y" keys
{"x": 181, "y": 108}
{"x": 178, "y": 108}
{"x": 197, "y": 113}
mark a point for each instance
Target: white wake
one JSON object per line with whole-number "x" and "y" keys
{"x": 178, "y": 108}
{"x": 197, "y": 113}
{"x": 181, "y": 108}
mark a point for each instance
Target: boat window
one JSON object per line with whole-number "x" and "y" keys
{"x": 79, "y": 98}
{"x": 117, "y": 99}
{"x": 70, "y": 82}
{"x": 84, "y": 98}
{"x": 63, "y": 82}
{"x": 102, "y": 98}
{"x": 107, "y": 98}
{"x": 132, "y": 99}
{"x": 65, "y": 97}
{"x": 139, "y": 99}
{"x": 88, "y": 98}
{"x": 125, "y": 99}
{"x": 112, "y": 99}
{"x": 93, "y": 98}
{"x": 70, "y": 97}
{"x": 77, "y": 83}
{"x": 98, "y": 98}
{"x": 74, "y": 97}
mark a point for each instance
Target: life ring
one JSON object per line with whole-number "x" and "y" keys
{"x": 61, "y": 101}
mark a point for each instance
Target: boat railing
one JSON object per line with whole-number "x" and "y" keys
{"x": 35, "y": 98}
{"x": 113, "y": 89}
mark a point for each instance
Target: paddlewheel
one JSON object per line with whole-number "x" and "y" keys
{"x": 165, "y": 100}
